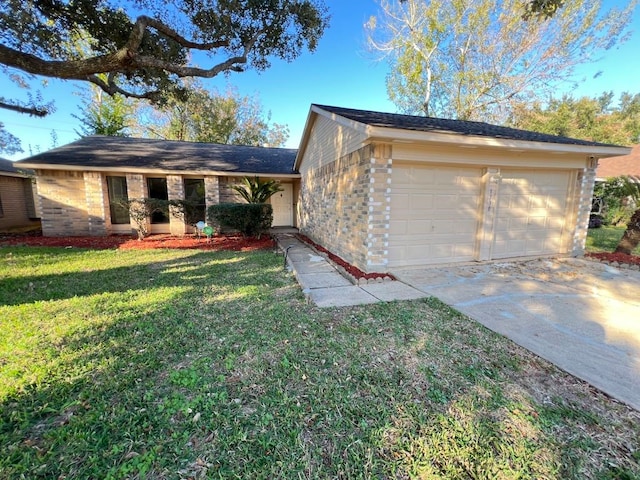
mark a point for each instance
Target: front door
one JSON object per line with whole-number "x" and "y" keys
{"x": 282, "y": 203}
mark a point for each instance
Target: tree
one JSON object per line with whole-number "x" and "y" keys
{"x": 214, "y": 117}
{"x": 472, "y": 59}
{"x": 9, "y": 143}
{"x": 143, "y": 56}
{"x": 597, "y": 119}
{"x": 257, "y": 190}
{"x": 631, "y": 237}
{"x": 105, "y": 115}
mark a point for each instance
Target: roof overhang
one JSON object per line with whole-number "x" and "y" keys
{"x": 153, "y": 171}
{"x": 395, "y": 135}
{"x": 13, "y": 174}
{"x": 377, "y": 134}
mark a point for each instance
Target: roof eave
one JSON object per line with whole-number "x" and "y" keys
{"x": 156, "y": 171}
{"x": 397, "y": 135}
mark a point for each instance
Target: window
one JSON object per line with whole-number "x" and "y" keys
{"x": 1, "y": 210}
{"x": 194, "y": 192}
{"x": 158, "y": 189}
{"x": 117, "y": 189}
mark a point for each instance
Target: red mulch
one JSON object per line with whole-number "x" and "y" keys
{"x": 621, "y": 258}
{"x": 125, "y": 242}
{"x": 354, "y": 271}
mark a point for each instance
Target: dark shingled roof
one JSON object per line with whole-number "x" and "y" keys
{"x": 9, "y": 166}
{"x": 459, "y": 127}
{"x": 143, "y": 153}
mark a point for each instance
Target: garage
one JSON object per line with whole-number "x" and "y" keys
{"x": 434, "y": 214}
{"x": 531, "y": 213}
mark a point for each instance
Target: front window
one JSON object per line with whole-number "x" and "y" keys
{"x": 194, "y": 193}
{"x": 158, "y": 189}
{"x": 117, "y": 188}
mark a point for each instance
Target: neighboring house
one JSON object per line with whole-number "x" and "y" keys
{"x": 78, "y": 183}
{"x": 17, "y": 205}
{"x": 379, "y": 190}
{"x": 617, "y": 166}
{"x": 385, "y": 190}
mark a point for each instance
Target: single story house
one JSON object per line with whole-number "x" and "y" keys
{"x": 617, "y": 166}
{"x": 78, "y": 183}
{"x": 380, "y": 190}
{"x": 17, "y": 205}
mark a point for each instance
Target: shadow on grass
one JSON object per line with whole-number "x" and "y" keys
{"x": 221, "y": 370}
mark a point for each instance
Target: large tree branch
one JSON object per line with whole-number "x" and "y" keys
{"x": 35, "y": 111}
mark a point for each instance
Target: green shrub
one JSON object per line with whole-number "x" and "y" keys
{"x": 250, "y": 219}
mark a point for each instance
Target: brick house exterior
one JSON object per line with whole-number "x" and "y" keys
{"x": 379, "y": 190}
{"x": 17, "y": 203}
{"x": 386, "y": 190}
{"x": 76, "y": 182}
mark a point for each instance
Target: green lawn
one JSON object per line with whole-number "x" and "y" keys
{"x": 606, "y": 239}
{"x": 188, "y": 364}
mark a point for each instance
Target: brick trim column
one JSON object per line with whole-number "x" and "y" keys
{"x": 211, "y": 191}
{"x": 137, "y": 190}
{"x": 97, "y": 204}
{"x": 586, "y": 183}
{"x": 379, "y": 208}
{"x": 175, "y": 191}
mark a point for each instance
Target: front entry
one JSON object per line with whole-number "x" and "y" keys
{"x": 282, "y": 203}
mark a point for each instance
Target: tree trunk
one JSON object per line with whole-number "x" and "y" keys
{"x": 631, "y": 237}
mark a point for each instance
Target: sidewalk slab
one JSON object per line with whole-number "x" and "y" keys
{"x": 322, "y": 280}
{"x": 390, "y": 291}
{"x": 341, "y": 296}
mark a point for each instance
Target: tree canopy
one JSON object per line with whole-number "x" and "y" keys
{"x": 473, "y": 59}
{"x": 211, "y": 116}
{"x": 599, "y": 119}
{"x": 143, "y": 47}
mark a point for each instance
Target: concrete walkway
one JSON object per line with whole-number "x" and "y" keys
{"x": 326, "y": 287}
{"x": 582, "y": 316}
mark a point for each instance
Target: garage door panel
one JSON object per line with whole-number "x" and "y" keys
{"x": 531, "y": 211}
{"x": 442, "y": 218}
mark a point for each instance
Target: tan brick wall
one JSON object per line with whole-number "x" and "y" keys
{"x": 97, "y": 204}
{"x": 344, "y": 206}
{"x": 175, "y": 191}
{"x": 63, "y": 203}
{"x": 15, "y": 201}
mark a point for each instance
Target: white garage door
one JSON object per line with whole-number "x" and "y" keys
{"x": 531, "y": 212}
{"x": 434, "y": 215}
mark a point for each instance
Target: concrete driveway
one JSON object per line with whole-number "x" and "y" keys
{"x": 582, "y": 316}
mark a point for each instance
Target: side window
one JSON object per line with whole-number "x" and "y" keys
{"x": 1, "y": 210}
{"x": 117, "y": 188}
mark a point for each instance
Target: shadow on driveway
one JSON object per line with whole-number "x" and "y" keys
{"x": 581, "y": 315}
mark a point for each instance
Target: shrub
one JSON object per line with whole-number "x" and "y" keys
{"x": 189, "y": 211}
{"x": 141, "y": 209}
{"x": 595, "y": 220}
{"x": 250, "y": 219}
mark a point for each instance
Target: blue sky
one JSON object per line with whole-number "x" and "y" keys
{"x": 340, "y": 72}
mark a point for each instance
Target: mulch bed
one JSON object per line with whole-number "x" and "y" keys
{"x": 223, "y": 242}
{"x": 350, "y": 269}
{"x": 621, "y": 258}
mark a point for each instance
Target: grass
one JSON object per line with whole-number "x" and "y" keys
{"x": 606, "y": 239}
{"x": 187, "y": 364}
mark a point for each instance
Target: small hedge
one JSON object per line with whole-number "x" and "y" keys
{"x": 250, "y": 219}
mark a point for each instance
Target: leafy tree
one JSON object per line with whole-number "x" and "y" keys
{"x": 9, "y": 143}
{"x": 472, "y": 59}
{"x": 143, "y": 55}
{"x": 105, "y": 115}
{"x": 213, "y": 117}
{"x": 631, "y": 237}
{"x": 597, "y": 119}
{"x": 257, "y": 190}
